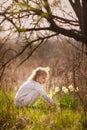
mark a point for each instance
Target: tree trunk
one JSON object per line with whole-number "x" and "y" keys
{"x": 84, "y": 19}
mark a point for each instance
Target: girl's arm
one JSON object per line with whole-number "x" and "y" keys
{"x": 43, "y": 93}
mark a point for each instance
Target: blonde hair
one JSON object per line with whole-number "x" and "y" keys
{"x": 38, "y": 72}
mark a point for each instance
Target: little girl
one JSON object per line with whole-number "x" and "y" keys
{"x": 32, "y": 89}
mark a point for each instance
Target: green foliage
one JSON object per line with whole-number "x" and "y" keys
{"x": 69, "y": 101}
{"x": 41, "y": 116}
{"x": 6, "y": 111}
{"x": 66, "y": 96}
{"x": 22, "y": 29}
{"x": 45, "y": 15}
{"x": 21, "y": 4}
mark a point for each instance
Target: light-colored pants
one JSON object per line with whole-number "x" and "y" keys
{"x": 28, "y": 100}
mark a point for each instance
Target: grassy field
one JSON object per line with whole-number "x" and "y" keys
{"x": 41, "y": 116}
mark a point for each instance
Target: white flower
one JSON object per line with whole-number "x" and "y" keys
{"x": 71, "y": 88}
{"x": 64, "y": 89}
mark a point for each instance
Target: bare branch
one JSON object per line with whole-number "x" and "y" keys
{"x": 24, "y": 48}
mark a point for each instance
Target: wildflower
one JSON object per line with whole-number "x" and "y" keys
{"x": 64, "y": 89}
{"x": 57, "y": 89}
{"x": 52, "y": 93}
{"x": 33, "y": 71}
{"x": 71, "y": 88}
{"x": 47, "y": 68}
{"x": 77, "y": 89}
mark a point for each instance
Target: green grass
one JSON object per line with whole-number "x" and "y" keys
{"x": 69, "y": 101}
{"x": 39, "y": 117}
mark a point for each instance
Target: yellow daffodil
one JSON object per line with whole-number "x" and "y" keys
{"x": 57, "y": 89}
{"x": 33, "y": 71}
{"x": 64, "y": 89}
{"x": 77, "y": 89}
{"x": 51, "y": 94}
{"x": 71, "y": 88}
{"x": 47, "y": 68}
{"x": 54, "y": 92}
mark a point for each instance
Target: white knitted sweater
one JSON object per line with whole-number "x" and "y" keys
{"x": 28, "y": 86}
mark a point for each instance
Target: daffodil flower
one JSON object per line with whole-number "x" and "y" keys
{"x": 47, "y": 68}
{"x": 64, "y": 89}
{"x": 57, "y": 89}
{"x": 71, "y": 88}
{"x": 51, "y": 94}
{"x": 77, "y": 89}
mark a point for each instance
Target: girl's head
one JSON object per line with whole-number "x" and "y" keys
{"x": 40, "y": 75}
